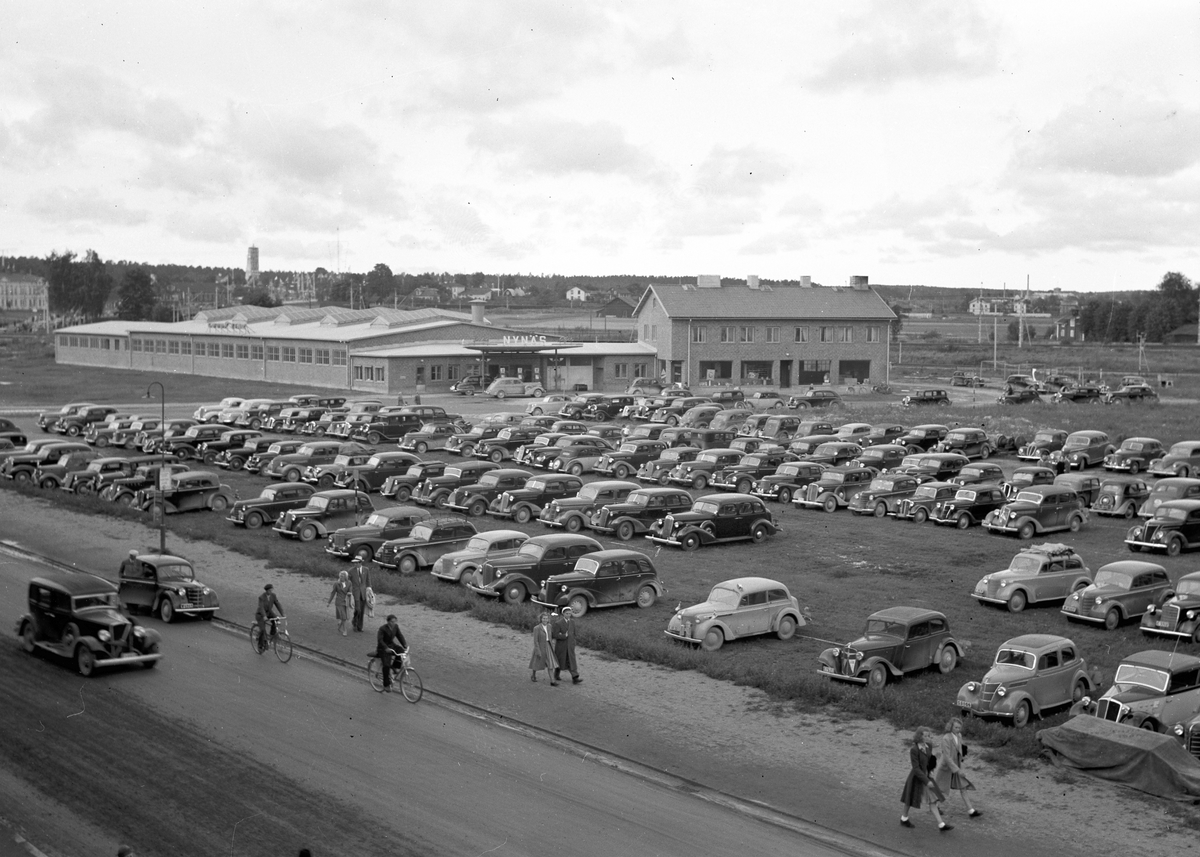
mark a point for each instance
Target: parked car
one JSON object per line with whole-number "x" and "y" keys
{"x": 47, "y": 419}
{"x": 573, "y": 514}
{"x": 79, "y": 617}
{"x": 895, "y": 641}
{"x": 963, "y": 378}
{"x": 1027, "y": 476}
{"x": 1182, "y": 459}
{"x": 429, "y": 436}
{"x": 235, "y": 459}
{"x": 1086, "y": 393}
{"x": 428, "y": 540}
{"x": 715, "y": 519}
{"x": 645, "y": 408}
{"x": 933, "y": 466}
{"x": 400, "y": 487}
{"x": 124, "y": 490}
{"x": 371, "y": 474}
{"x": 580, "y": 456}
{"x": 436, "y": 490}
{"x": 210, "y": 413}
{"x": 504, "y": 445}
{"x": 1037, "y": 574}
{"x": 1134, "y": 455}
{"x": 609, "y": 407}
{"x": 270, "y": 502}
{"x": 469, "y": 385}
{"x": 541, "y": 457}
{"x": 813, "y": 398}
{"x": 165, "y": 586}
{"x": 634, "y": 515}
{"x": 763, "y": 400}
{"x": 883, "y": 495}
{"x": 503, "y": 388}
{"x": 969, "y": 506}
{"x": 701, "y": 438}
{"x": 926, "y": 397}
{"x": 101, "y": 472}
{"x": 1086, "y": 485}
{"x": 576, "y": 407}
{"x": 324, "y": 512}
{"x": 659, "y": 470}
{"x": 150, "y": 440}
{"x": 1128, "y": 394}
{"x": 1082, "y": 449}
{"x": 978, "y": 473}
{"x": 524, "y": 504}
{"x": 100, "y": 434}
{"x": 190, "y": 444}
{"x": 51, "y": 475}
{"x": 698, "y": 471}
{"x": 623, "y": 462}
{"x": 1120, "y": 496}
{"x": 289, "y": 467}
{"x": 742, "y": 476}
{"x": 210, "y": 452}
{"x": 1024, "y": 396}
{"x": 1179, "y": 616}
{"x": 548, "y": 404}
{"x": 1039, "y": 509}
{"x": 1030, "y": 674}
{"x": 1045, "y": 441}
{"x": 700, "y": 416}
{"x": 460, "y": 566}
{"x": 735, "y": 609}
{"x": 804, "y": 447}
{"x": 1167, "y": 489}
{"x": 605, "y": 578}
{"x": 882, "y": 457}
{"x": 644, "y": 386}
{"x": 919, "y": 506}
{"x": 518, "y": 577}
{"x": 22, "y": 466}
{"x": 325, "y": 474}
{"x": 362, "y": 541}
{"x": 195, "y": 490}
{"x": 1155, "y": 690}
{"x": 970, "y": 442}
{"x": 1121, "y": 591}
{"x": 789, "y": 479}
{"x": 474, "y": 499}
{"x": 1174, "y": 528}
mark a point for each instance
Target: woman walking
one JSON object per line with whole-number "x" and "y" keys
{"x": 949, "y": 774}
{"x": 341, "y": 598}
{"x": 918, "y": 781}
{"x": 543, "y": 652}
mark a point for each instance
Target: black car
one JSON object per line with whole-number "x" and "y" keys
{"x": 212, "y": 451}
{"x": 271, "y": 501}
{"x": 606, "y": 578}
{"x": 623, "y": 462}
{"x": 166, "y": 586}
{"x": 516, "y": 578}
{"x": 1174, "y": 528}
{"x": 633, "y": 516}
{"x": 504, "y": 445}
{"x": 608, "y": 407}
{"x": 969, "y": 506}
{"x": 475, "y": 499}
{"x": 435, "y": 491}
{"x": 741, "y": 478}
{"x": 715, "y": 519}
{"x": 524, "y": 504}
{"x": 788, "y": 480}
{"x": 401, "y": 487}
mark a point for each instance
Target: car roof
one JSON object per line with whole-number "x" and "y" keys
{"x": 564, "y": 539}
{"x": 617, "y": 553}
{"x": 752, "y": 584}
{"x": 1131, "y": 566}
{"x": 906, "y": 614}
{"x": 163, "y": 559}
{"x": 340, "y": 492}
{"x": 1037, "y": 641}
{"x": 73, "y": 584}
{"x": 402, "y": 511}
{"x": 1190, "y": 504}
{"x": 724, "y": 498}
{"x": 1162, "y": 660}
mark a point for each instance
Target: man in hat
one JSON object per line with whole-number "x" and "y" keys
{"x": 268, "y": 605}
{"x": 360, "y": 582}
{"x": 563, "y": 632}
{"x": 130, "y": 567}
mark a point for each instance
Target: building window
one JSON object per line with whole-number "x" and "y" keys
{"x": 435, "y": 372}
{"x": 273, "y": 353}
{"x": 772, "y": 334}
{"x": 172, "y": 346}
{"x": 727, "y": 334}
{"x": 801, "y": 334}
{"x": 227, "y": 350}
{"x": 160, "y": 346}
{"x": 827, "y": 334}
{"x": 745, "y": 334}
{"x": 95, "y": 342}
{"x": 339, "y": 357}
{"x": 452, "y": 373}
{"x": 700, "y": 334}
{"x": 640, "y": 370}
{"x": 106, "y": 344}
{"x": 185, "y": 347}
{"x": 358, "y": 372}
{"x": 289, "y": 353}
{"x": 654, "y": 332}
{"x": 256, "y": 352}
{"x": 323, "y": 356}
{"x": 845, "y": 334}
{"x": 134, "y": 343}
{"x": 816, "y": 365}
{"x": 214, "y": 349}
{"x": 380, "y": 373}
{"x": 620, "y": 370}
{"x": 243, "y": 351}
{"x": 306, "y": 355}
{"x": 420, "y": 374}
{"x": 716, "y": 370}
{"x": 873, "y": 334}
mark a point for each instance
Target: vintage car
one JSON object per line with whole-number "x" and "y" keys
{"x": 1039, "y": 509}
{"x": 326, "y": 474}
{"x": 673, "y": 413}
{"x": 1182, "y": 459}
{"x": 581, "y": 456}
{"x": 836, "y": 487}
{"x": 504, "y": 445}
{"x": 963, "y": 378}
{"x": 289, "y": 420}
{"x": 746, "y": 445}
{"x": 1030, "y": 674}
{"x": 212, "y": 452}
{"x": 1167, "y": 489}
{"x": 969, "y": 506}
{"x": 429, "y": 436}
{"x": 372, "y": 474}
{"x": 971, "y": 442}
{"x": 544, "y": 440}
{"x": 1127, "y": 394}
{"x": 789, "y": 479}
{"x": 1082, "y": 449}
{"x": 1086, "y": 393}
{"x": 605, "y": 578}
{"x": 1174, "y": 528}
{"x": 933, "y": 466}
{"x": 642, "y": 431}
{"x": 1023, "y": 396}
{"x": 609, "y": 407}
{"x": 895, "y": 641}
{"x": 428, "y": 540}
{"x": 634, "y": 515}
{"x": 436, "y": 490}
{"x": 460, "y": 566}
{"x": 260, "y": 414}
{"x": 101, "y": 472}
{"x": 645, "y": 407}
{"x": 1121, "y": 591}
{"x": 548, "y": 404}
{"x": 101, "y": 435}
{"x": 815, "y": 398}
{"x": 700, "y": 416}
{"x": 853, "y": 432}
{"x": 541, "y": 457}
{"x": 324, "y": 512}
{"x": 659, "y": 470}
{"x": 124, "y": 489}
{"x": 882, "y": 497}
{"x": 290, "y": 466}
{"x": 716, "y": 519}
{"x": 47, "y": 419}
{"x": 882, "y": 433}
{"x": 51, "y": 475}
{"x": 835, "y": 453}
{"x": 387, "y": 428}
{"x": 926, "y": 397}
{"x": 1179, "y": 616}
{"x": 464, "y": 443}
{"x": 79, "y": 616}
{"x": 701, "y": 438}
{"x": 192, "y": 491}
{"x": 923, "y": 438}
{"x": 234, "y": 459}
{"x": 361, "y": 541}
{"x": 474, "y": 499}
{"x": 779, "y": 427}
{"x": 503, "y": 388}
{"x": 738, "y": 608}
{"x": 1086, "y": 485}
{"x": 165, "y": 586}
{"x": 22, "y": 466}
{"x": 468, "y": 385}
{"x": 1154, "y": 690}
{"x": 1028, "y": 475}
{"x": 210, "y": 413}
{"x": 1045, "y": 441}
{"x": 1135, "y": 454}
{"x": 524, "y": 504}
{"x": 624, "y": 461}
{"x": 266, "y": 507}
{"x": 804, "y": 446}
{"x": 518, "y": 577}
{"x": 741, "y": 477}
{"x": 760, "y": 400}
{"x": 750, "y": 424}
{"x": 919, "y": 506}
{"x": 575, "y": 407}
{"x": 573, "y": 514}
{"x": 1037, "y": 574}
{"x": 1120, "y": 496}
{"x": 882, "y": 457}
{"x": 700, "y": 469}
{"x": 189, "y": 444}
{"x": 977, "y": 473}
{"x": 400, "y": 487}
{"x": 150, "y": 440}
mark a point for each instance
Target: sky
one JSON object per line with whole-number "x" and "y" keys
{"x": 953, "y": 144}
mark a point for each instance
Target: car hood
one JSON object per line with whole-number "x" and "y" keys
{"x": 296, "y": 514}
{"x": 361, "y": 531}
{"x": 1184, "y": 602}
{"x": 1094, "y": 591}
{"x": 566, "y": 579}
{"x": 105, "y": 616}
{"x": 704, "y": 608}
{"x": 874, "y": 643}
{"x": 1136, "y": 694}
{"x": 1007, "y": 674}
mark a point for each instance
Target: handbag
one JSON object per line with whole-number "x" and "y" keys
{"x": 370, "y": 600}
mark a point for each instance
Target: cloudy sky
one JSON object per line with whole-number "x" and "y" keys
{"x": 950, "y": 144}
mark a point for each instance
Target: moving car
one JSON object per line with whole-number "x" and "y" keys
{"x": 738, "y": 608}
{"x": 1030, "y": 674}
{"x": 165, "y": 586}
{"x": 1036, "y": 575}
{"x": 895, "y": 641}
{"x": 1122, "y": 590}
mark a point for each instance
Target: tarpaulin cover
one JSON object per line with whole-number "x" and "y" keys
{"x": 1144, "y": 760}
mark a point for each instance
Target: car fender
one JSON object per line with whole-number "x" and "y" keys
{"x": 869, "y": 664}
{"x": 1017, "y": 524}
{"x": 639, "y": 526}
{"x": 771, "y": 526}
{"x": 793, "y": 614}
{"x": 707, "y": 536}
{"x": 1009, "y": 704}
{"x": 502, "y": 583}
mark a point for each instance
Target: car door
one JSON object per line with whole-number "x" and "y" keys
{"x": 753, "y": 615}
{"x": 138, "y": 586}
{"x": 554, "y": 561}
{"x": 1183, "y": 696}
{"x": 609, "y": 583}
{"x": 1049, "y": 682}
{"x": 917, "y": 651}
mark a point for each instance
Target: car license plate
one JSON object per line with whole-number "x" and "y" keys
{"x": 1163, "y": 624}
{"x": 129, "y": 654}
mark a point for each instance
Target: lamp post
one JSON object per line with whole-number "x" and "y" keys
{"x": 162, "y": 470}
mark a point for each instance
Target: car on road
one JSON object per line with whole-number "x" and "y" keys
{"x": 895, "y": 641}
{"x": 1082, "y": 449}
{"x": 816, "y": 398}
{"x": 1135, "y": 455}
{"x": 1039, "y": 509}
{"x": 548, "y": 404}
{"x": 1153, "y": 690}
{"x": 428, "y": 540}
{"x": 503, "y": 388}
{"x": 271, "y": 501}
{"x": 1030, "y": 674}
{"x": 1174, "y": 528}
{"x": 78, "y": 617}
{"x": 515, "y": 578}
{"x": 606, "y": 578}
{"x": 735, "y": 609}
{"x": 460, "y": 566}
{"x": 361, "y": 541}
{"x": 1036, "y": 575}
{"x": 715, "y": 519}
{"x": 165, "y": 586}
{"x": 1121, "y": 591}
{"x": 926, "y": 397}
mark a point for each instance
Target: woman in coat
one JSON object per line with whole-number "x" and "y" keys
{"x": 948, "y": 773}
{"x": 918, "y": 781}
{"x": 341, "y": 598}
{"x": 543, "y": 651}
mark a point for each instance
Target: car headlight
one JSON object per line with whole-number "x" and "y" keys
{"x": 972, "y": 687}
{"x": 1002, "y": 691}
{"x": 1099, "y": 600}
{"x": 1085, "y": 701}
{"x": 837, "y": 652}
{"x": 1150, "y": 610}
{"x": 104, "y": 635}
{"x": 1178, "y": 730}
{"x": 1191, "y": 614}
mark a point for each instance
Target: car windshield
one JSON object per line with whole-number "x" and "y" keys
{"x": 1132, "y": 446}
{"x": 675, "y": 455}
{"x": 965, "y": 495}
{"x": 832, "y": 477}
{"x": 638, "y": 498}
{"x": 378, "y": 520}
{"x": 319, "y": 503}
{"x": 1023, "y": 477}
{"x": 705, "y": 507}
{"x": 479, "y": 543}
{"x": 725, "y": 596}
{"x": 422, "y": 532}
{"x": 1076, "y": 441}
{"x": 532, "y": 550}
{"x": 177, "y": 571}
{"x": 583, "y": 565}
{"x": 885, "y": 627}
{"x": 1046, "y": 436}
{"x": 883, "y": 485}
{"x": 1015, "y": 658}
{"x": 1134, "y": 675}
{"x": 1170, "y": 515}
{"x": 960, "y": 436}
{"x": 1165, "y": 489}
{"x": 97, "y": 599}
{"x": 927, "y": 492}
{"x": 1029, "y": 497}
{"x": 1114, "y": 579}
{"x": 1188, "y": 587}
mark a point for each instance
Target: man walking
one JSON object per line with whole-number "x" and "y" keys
{"x": 563, "y": 631}
{"x": 360, "y": 580}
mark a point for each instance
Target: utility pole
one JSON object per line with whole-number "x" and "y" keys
{"x": 979, "y": 316}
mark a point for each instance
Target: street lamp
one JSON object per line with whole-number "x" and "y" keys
{"x": 162, "y": 470}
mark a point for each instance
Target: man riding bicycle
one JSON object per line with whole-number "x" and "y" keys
{"x": 390, "y": 645}
{"x": 268, "y": 606}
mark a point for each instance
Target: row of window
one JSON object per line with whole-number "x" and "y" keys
{"x": 771, "y": 334}
{"x": 621, "y": 370}
{"x": 102, "y": 343}
{"x": 232, "y": 350}
{"x": 370, "y": 373}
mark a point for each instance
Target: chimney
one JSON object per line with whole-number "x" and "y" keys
{"x": 708, "y": 281}
{"x": 805, "y": 281}
{"x": 752, "y": 281}
{"x": 858, "y": 282}
{"x": 477, "y": 311}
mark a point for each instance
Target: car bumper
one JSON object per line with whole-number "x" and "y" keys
{"x": 485, "y": 591}
{"x": 808, "y": 504}
{"x": 659, "y": 540}
{"x": 1147, "y": 546}
{"x": 344, "y": 553}
{"x": 836, "y": 676}
{"x": 291, "y": 534}
{"x": 456, "y": 507}
{"x": 1082, "y": 617}
{"x": 681, "y": 637}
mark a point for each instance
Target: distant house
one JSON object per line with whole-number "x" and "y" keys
{"x": 426, "y": 295}
{"x": 617, "y": 306}
{"x": 1185, "y": 334}
{"x": 576, "y": 294}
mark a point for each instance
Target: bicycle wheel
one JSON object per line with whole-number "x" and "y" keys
{"x": 254, "y": 642}
{"x": 411, "y": 685}
{"x": 375, "y": 674}
{"x": 283, "y": 647}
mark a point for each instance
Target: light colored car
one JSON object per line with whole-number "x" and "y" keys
{"x": 503, "y": 388}
{"x": 1182, "y": 459}
{"x": 1154, "y": 690}
{"x": 460, "y": 566}
{"x": 1030, "y": 674}
{"x": 1045, "y": 572}
{"x": 547, "y": 404}
{"x": 741, "y": 607}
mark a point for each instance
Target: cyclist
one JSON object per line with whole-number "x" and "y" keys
{"x": 268, "y": 606}
{"x": 389, "y": 645}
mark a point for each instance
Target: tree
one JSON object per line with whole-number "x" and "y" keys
{"x": 138, "y": 296}
{"x": 77, "y": 288}
{"x": 259, "y": 297}
{"x": 898, "y": 323}
{"x": 379, "y": 285}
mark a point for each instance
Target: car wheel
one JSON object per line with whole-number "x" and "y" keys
{"x": 1150, "y": 725}
{"x": 166, "y": 610}
{"x": 403, "y": 494}
{"x": 943, "y": 403}
{"x": 86, "y": 489}
{"x": 575, "y": 469}
{"x": 538, "y": 392}
{"x": 801, "y": 406}
{"x": 1017, "y": 602}
{"x": 1112, "y": 619}
{"x": 1079, "y": 691}
{"x": 500, "y": 394}
{"x": 1129, "y": 511}
{"x": 522, "y": 514}
{"x": 947, "y": 660}
{"x": 421, "y": 447}
{"x": 646, "y": 596}
{"x": 85, "y": 661}
{"x": 713, "y": 640}
{"x": 690, "y": 542}
{"x": 514, "y": 593}
{"x": 579, "y": 605}
{"x": 829, "y": 504}
{"x": 363, "y": 553}
{"x": 785, "y": 495}
{"x": 497, "y": 455}
{"x": 921, "y": 515}
{"x": 477, "y": 509}
{"x": 466, "y": 450}
{"x": 307, "y": 533}
{"x": 28, "y": 638}
{"x": 21, "y": 476}
{"x": 46, "y": 484}
{"x": 985, "y": 452}
{"x": 537, "y": 412}
{"x": 573, "y": 524}
{"x": 439, "y": 502}
{"x": 102, "y": 441}
{"x": 880, "y": 510}
{"x": 1135, "y": 548}
{"x": 759, "y": 534}
{"x": 700, "y": 482}
{"x": 408, "y": 564}
{"x": 963, "y": 521}
{"x": 218, "y": 503}
{"x": 1021, "y": 715}
{"x": 1026, "y": 531}
{"x": 624, "y": 531}
{"x": 209, "y": 459}
{"x": 467, "y": 577}
{"x": 1184, "y": 472}
{"x": 291, "y": 475}
{"x": 662, "y": 478}
{"x": 236, "y": 464}
{"x": 877, "y": 677}
{"x": 374, "y": 438}
{"x": 672, "y": 420}
{"x": 1134, "y": 467}
{"x": 787, "y": 628}
{"x": 1175, "y": 546}
{"x": 73, "y": 431}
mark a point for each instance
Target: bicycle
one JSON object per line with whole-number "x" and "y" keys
{"x": 277, "y": 638}
{"x": 402, "y": 673}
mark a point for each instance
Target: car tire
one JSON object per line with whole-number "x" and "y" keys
{"x": 1022, "y": 715}
{"x": 624, "y": 531}
{"x": 921, "y": 515}
{"x": 1017, "y": 602}
{"x": 291, "y": 475}
{"x": 829, "y": 504}
{"x": 209, "y": 459}
{"x": 407, "y": 564}
{"x": 1112, "y": 619}
{"x": 538, "y": 392}
{"x": 759, "y": 534}
{"x": 880, "y": 510}
{"x": 28, "y": 638}
{"x": 947, "y": 660}
{"x": 46, "y": 484}
{"x": 1026, "y": 531}
{"x": 663, "y": 478}
{"x": 1134, "y": 467}
{"x": 421, "y": 447}
{"x": 306, "y": 533}
{"x": 713, "y": 640}
{"x": 439, "y": 501}
{"x": 575, "y": 469}
{"x": 877, "y": 678}
{"x": 1079, "y": 691}
{"x": 700, "y": 482}
{"x": 218, "y": 503}
{"x": 1175, "y": 546}
{"x": 102, "y": 442}
{"x": 374, "y": 438}
{"x": 514, "y": 593}
{"x": 1135, "y": 548}
{"x": 690, "y": 542}
{"x": 478, "y": 508}
{"x": 522, "y": 514}
{"x": 672, "y": 420}
{"x": 363, "y": 553}
{"x": 500, "y": 394}
{"x": 985, "y": 452}
{"x": 85, "y": 661}
{"x": 537, "y": 412}
{"x": 496, "y": 455}
{"x": 236, "y": 464}
{"x": 786, "y": 629}
{"x": 166, "y": 610}
{"x": 963, "y": 521}
{"x": 22, "y": 476}
{"x": 1129, "y": 512}
{"x": 646, "y": 596}
{"x": 1151, "y": 725}
{"x": 785, "y": 495}
{"x": 579, "y": 605}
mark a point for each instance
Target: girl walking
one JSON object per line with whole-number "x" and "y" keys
{"x": 918, "y": 781}
{"x": 341, "y": 598}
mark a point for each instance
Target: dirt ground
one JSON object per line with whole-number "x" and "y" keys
{"x": 1068, "y": 812}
